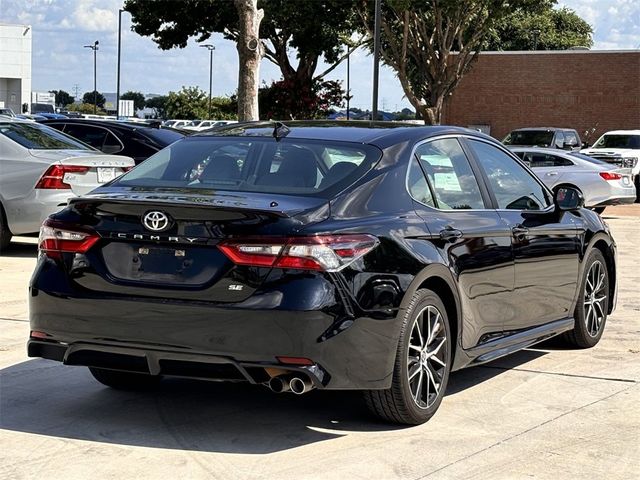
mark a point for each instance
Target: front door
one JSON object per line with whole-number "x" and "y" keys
{"x": 545, "y": 241}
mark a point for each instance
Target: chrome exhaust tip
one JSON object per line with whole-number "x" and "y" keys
{"x": 279, "y": 384}
{"x": 300, "y": 385}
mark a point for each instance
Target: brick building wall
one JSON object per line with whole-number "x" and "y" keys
{"x": 573, "y": 88}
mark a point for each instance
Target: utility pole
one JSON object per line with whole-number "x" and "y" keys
{"x": 348, "y": 88}
{"x": 118, "y": 72}
{"x": 211, "y": 48}
{"x": 376, "y": 58}
{"x": 94, "y": 47}
{"x": 76, "y": 90}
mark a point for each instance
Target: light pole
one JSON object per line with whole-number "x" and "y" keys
{"x": 211, "y": 48}
{"x": 118, "y": 72}
{"x": 348, "y": 87}
{"x": 376, "y": 58}
{"x": 94, "y": 47}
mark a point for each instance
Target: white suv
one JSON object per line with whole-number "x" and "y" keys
{"x": 621, "y": 148}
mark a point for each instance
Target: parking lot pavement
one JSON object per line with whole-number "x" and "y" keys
{"x": 546, "y": 412}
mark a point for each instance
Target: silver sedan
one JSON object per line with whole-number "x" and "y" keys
{"x": 601, "y": 184}
{"x": 40, "y": 169}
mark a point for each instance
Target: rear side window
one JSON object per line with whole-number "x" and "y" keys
{"x": 97, "y": 137}
{"x": 446, "y": 172}
{"x": 39, "y": 137}
{"x": 513, "y": 186}
{"x": 302, "y": 167}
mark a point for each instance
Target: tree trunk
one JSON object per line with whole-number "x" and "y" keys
{"x": 250, "y": 55}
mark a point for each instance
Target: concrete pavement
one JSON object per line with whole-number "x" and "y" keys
{"x": 547, "y": 412}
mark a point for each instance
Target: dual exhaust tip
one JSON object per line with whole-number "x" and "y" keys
{"x": 290, "y": 383}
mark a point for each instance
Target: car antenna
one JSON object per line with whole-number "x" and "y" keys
{"x": 280, "y": 130}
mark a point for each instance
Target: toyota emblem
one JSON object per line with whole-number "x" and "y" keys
{"x": 156, "y": 221}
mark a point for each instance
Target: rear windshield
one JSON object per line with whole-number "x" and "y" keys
{"x": 162, "y": 136}
{"x": 618, "y": 141}
{"x": 39, "y": 137}
{"x": 529, "y": 138}
{"x": 290, "y": 166}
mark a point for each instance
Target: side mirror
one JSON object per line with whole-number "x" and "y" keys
{"x": 568, "y": 198}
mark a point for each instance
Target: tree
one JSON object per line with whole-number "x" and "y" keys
{"x": 432, "y": 44}
{"x": 89, "y": 96}
{"x": 314, "y": 28}
{"x": 137, "y": 97}
{"x": 193, "y": 103}
{"x": 276, "y": 101}
{"x": 250, "y": 53}
{"x": 85, "y": 108}
{"x": 551, "y": 29}
{"x": 62, "y": 98}
{"x": 158, "y": 104}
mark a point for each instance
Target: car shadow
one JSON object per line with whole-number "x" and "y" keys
{"x": 18, "y": 249}
{"x": 46, "y": 398}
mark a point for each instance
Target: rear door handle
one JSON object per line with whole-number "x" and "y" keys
{"x": 520, "y": 231}
{"x": 552, "y": 174}
{"x": 450, "y": 234}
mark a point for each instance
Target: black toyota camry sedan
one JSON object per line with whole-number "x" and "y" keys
{"x": 364, "y": 256}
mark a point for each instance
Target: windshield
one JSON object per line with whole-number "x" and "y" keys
{"x": 39, "y": 137}
{"x": 301, "y": 167}
{"x": 618, "y": 141}
{"x": 529, "y": 138}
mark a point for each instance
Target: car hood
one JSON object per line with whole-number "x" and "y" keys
{"x": 613, "y": 152}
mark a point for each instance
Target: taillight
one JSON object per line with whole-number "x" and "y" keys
{"x": 324, "y": 252}
{"x": 610, "y": 176}
{"x": 53, "y": 178}
{"x": 56, "y": 239}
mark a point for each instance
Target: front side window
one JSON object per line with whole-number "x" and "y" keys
{"x": 39, "y": 137}
{"x": 446, "y": 169}
{"x": 571, "y": 139}
{"x": 303, "y": 167}
{"x": 513, "y": 186}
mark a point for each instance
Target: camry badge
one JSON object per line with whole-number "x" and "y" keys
{"x": 156, "y": 221}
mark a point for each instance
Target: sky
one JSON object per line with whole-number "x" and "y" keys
{"x": 62, "y": 27}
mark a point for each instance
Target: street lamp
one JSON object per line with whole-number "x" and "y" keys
{"x": 376, "y": 58}
{"x": 211, "y": 48}
{"x": 94, "y": 47}
{"x": 118, "y": 72}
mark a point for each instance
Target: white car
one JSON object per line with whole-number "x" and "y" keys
{"x": 201, "y": 125}
{"x": 176, "y": 123}
{"x": 621, "y": 148}
{"x": 40, "y": 169}
{"x": 601, "y": 184}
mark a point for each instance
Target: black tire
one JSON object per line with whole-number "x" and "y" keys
{"x": 125, "y": 380}
{"x": 398, "y": 404}
{"x": 590, "y": 315}
{"x": 637, "y": 182}
{"x": 5, "y": 233}
{"x": 598, "y": 210}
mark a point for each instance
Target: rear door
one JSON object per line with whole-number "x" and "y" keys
{"x": 471, "y": 236}
{"x": 545, "y": 241}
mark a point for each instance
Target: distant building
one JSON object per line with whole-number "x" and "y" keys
{"x": 588, "y": 90}
{"x": 15, "y": 66}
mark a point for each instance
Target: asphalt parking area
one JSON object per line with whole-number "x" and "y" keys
{"x": 546, "y": 412}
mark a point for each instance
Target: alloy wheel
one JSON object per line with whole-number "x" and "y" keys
{"x": 595, "y": 297}
{"x": 426, "y": 357}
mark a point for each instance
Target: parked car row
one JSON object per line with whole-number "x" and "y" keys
{"x": 197, "y": 125}
{"x": 607, "y": 173}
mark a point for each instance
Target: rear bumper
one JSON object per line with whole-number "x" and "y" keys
{"x": 193, "y": 339}
{"x": 617, "y": 201}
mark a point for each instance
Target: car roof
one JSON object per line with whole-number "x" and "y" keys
{"x": 550, "y": 151}
{"x": 623, "y": 132}
{"x": 100, "y": 123}
{"x": 542, "y": 129}
{"x": 359, "y": 131}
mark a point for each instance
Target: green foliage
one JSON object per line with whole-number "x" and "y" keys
{"x": 89, "y": 96}
{"x": 62, "y": 98}
{"x": 550, "y": 29}
{"x": 137, "y": 97}
{"x": 85, "y": 108}
{"x": 309, "y": 102}
{"x": 314, "y": 28}
{"x": 193, "y": 103}
{"x": 159, "y": 104}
